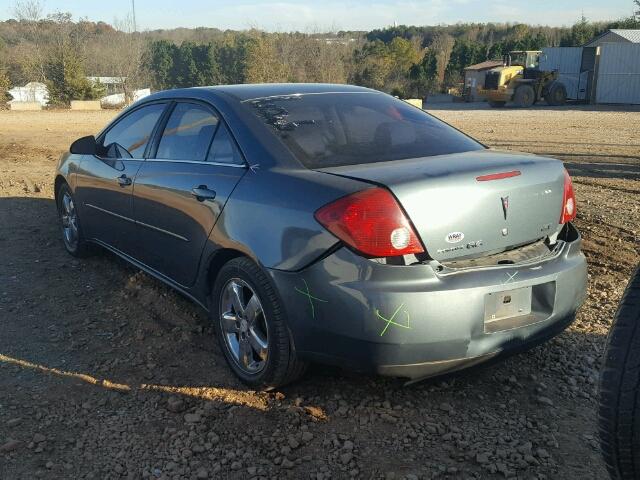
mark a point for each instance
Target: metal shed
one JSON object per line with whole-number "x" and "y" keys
{"x": 615, "y": 35}
{"x": 568, "y": 62}
{"x": 619, "y": 73}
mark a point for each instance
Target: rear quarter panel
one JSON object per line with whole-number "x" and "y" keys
{"x": 270, "y": 216}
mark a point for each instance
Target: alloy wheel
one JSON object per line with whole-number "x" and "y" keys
{"x": 244, "y": 327}
{"x": 69, "y": 219}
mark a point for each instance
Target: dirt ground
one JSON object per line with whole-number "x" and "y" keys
{"x": 106, "y": 373}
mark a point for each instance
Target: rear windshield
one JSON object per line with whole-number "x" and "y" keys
{"x": 335, "y": 129}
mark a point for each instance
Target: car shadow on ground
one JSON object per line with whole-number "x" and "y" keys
{"x": 604, "y": 170}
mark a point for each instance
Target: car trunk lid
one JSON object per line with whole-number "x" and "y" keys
{"x": 473, "y": 203}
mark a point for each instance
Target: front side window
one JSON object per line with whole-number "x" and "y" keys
{"x": 338, "y": 129}
{"x": 188, "y": 133}
{"x": 129, "y": 137}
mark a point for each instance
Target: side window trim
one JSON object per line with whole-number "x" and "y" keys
{"x": 199, "y": 162}
{"x": 152, "y": 148}
{"x": 120, "y": 118}
{"x": 164, "y": 115}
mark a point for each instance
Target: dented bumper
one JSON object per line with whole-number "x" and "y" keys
{"x": 416, "y": 321}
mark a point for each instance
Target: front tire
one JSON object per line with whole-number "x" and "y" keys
{"x": 619, "y": 409}
{"x": 250, "y": 324}
{"x": 524, "y": 96}
{"x": 72, "y": 236}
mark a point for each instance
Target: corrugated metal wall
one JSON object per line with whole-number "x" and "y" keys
{"x": 567, "y": 61}
{"x": 619, "y": 73}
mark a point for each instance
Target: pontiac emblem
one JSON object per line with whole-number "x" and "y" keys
{"x": 505, "y": 206}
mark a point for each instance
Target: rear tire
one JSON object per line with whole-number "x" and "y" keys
{"x": 619, "y": 410}
{"x": 496, "y": 104}
{"x": 556, "y": 94}
{"x": 258, "y": 348}
{"x": 524, "y": 96}
{"x": 70, "y": 225}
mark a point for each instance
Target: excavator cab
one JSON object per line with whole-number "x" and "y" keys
{"x": 526, "y": 59}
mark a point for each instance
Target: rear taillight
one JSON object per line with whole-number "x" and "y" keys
{"x": 569, "y": 207}
{"x": 372, "y": 222}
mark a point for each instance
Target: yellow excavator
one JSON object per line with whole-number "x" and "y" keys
{"x": 520, "y": 80}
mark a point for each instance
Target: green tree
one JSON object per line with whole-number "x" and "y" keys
{"x": 403, "y": 55}
{"x": 386, "y": 66}
{"x": 464, "y": 53}
{"x": 185, "y": 70}
{"x": 424, "y": 75}
{"x": 66, "y": 80}
{"x": 187, "y": 65}
{"x": 231, "y": 56}
{"x": 159, "y": 62}
{"x": 581, "y": 32}
{"x": 374, "y": 65}
{"x": 64, "y": 68}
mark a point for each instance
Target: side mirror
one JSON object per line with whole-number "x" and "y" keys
{"x": 84, "y": 146}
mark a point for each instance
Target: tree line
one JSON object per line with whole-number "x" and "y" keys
{"x": 408, "y": 61}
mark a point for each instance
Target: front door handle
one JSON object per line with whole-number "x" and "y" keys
{"x": 124, "y": 181}
{"x": 202, "y": 193}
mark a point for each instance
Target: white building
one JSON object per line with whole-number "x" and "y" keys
{"x": 31, "y": 92}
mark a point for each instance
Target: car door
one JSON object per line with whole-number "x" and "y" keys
{"x": 104, "y": 183}
{"x": 181, "y": 189}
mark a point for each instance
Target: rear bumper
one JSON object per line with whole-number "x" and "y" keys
{"x": 341, "y": 311}
{"x": 431, "y": 369}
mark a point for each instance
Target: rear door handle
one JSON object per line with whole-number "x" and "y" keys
{"x": 202, "y": 193}
{"x": 124, "y": 181}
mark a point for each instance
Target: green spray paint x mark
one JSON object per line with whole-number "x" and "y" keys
{"x": 311, "y": 298}
{"x": 391, "y": 321}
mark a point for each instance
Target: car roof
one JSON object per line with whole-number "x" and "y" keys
{"x": 260, "y": 90}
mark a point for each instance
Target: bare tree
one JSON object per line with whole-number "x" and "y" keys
{"x": 264, "y": 64}
{"x": 31, "y": 52}
{"x": 442, "y": 45}
{"x": 28, "y": 10}
{"x": 123, "y": 56}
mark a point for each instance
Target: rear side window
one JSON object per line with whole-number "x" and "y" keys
{"x": 337, "y": 129}
{"x": 129, "y": 137}
{"x": 188, "y": 133}
{"x": 223, "y": 149}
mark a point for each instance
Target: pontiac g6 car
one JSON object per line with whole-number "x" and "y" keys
{"x": 330, "y": 223}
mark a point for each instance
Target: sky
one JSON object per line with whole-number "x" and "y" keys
{"x": 333, "y": 15}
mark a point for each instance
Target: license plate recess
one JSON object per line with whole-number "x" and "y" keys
{"x": 507, "y": 309}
